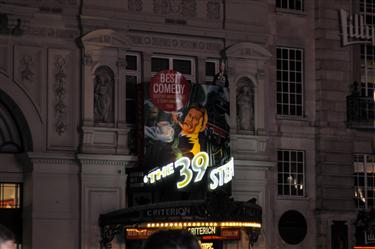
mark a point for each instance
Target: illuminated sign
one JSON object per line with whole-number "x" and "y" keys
{"x": 178, "y": 211}
{"x": 199, "y": 231}
{"x": 135, "y": 234}
{"x": 169, "y": 90}
{"x": 207, "y": 245}
{"x": 193, "y": 169}
{"x": 204, "y": 233}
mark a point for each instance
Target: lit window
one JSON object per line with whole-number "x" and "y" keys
{"x": 364, "y": 180}
{"x": 133, "y": 77}
{"x": 289, "y": 81}
{"x": 184, "y": 65}
{"x": 9, "y": 195}
{"x": 11, "y": 209}
{"x": 290, "y": 165}
{"x": 290, "y": 4}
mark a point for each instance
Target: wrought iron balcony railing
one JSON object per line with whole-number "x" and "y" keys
{"x": 360, "y": 112}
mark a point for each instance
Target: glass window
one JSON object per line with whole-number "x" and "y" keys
{"x": 290, "y": 167}
{"x": 290, "y": 4}
{"x": 211, "y": 68}
{"x": 367, "y": 87}
{"x": 289, "y": 70}
{"x": 10, "y": 195}
{"x": 184, "y": 65}
{"x": 11, "y": 209}
{"x": 364, "y": 180}
{"x": 159, "y": 64}
{"x": 133, "y": 77}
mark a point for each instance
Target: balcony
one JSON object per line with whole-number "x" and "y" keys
{"x": 360, "y": 111}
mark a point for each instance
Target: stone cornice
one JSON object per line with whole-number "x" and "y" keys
{"x": 95, "y": 159}
{"x": 265, "y": 165}
{"x": 17, "y": 9}
{"x": 30, "y": 158}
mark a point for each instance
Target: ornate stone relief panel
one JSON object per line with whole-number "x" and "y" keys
{"x": 48, "y": 2}
{"x": 61, "y": 94}
{"x": 198, "y": 46}
{"x": 184, "y": 8}
{"x": 213, "y": 10}
{"x": 28, "y": 68}
{"x": 135, "y": 5}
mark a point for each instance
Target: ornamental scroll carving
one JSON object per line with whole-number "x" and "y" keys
{"x": 185, "y": 8}
{"x": 27, "y": 73}
{"x": 135, "y": 5}
{"x": 60, "y": 106}
{"x": 213, "y": 10}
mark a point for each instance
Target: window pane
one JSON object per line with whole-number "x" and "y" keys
{"x": 131, "y": 62}
{"x": 131, "y": 111}
{"x": 182, "y": 66}
{"x": 131, "y": 84}
{"x": 291, "y": 174}
{"x": 10, "y": 195}
{"x": 159, "y": 64}
{"x": 210, "y": 69}
{"x": 289, "y": 81}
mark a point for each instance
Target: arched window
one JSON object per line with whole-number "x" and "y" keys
{"x": 14, "y": 133}
{"x": 15, "y": 137}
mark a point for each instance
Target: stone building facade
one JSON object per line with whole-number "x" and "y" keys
{"x": 68, "y": 73}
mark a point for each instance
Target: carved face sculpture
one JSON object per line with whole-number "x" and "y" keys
{"x": 102, "y": 80}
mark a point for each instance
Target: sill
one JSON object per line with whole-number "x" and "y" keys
{"x": 291, "y": 118}
{"x": 301, "y": 13}
{"x": 291, "y": 198}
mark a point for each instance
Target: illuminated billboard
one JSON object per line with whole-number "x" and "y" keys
{"x": 186, "y": 132}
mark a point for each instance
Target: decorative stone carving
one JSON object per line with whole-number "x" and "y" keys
{"x": 135, "y": 5}
{"x": 60, "y": 107}
{"x": 161, "y": 7}
{"x": 186, "y": 8}
{"x": 199, "y": 45}
{"x": 245, "y": 107}
{"x": 5, "y": 27}
{"x": 213, "y": 10}
{"x": 87, "y": 60}
{"x": 26, "y": 71}
{"x": 189, "y": 8}
{"x": 103, "y": 95}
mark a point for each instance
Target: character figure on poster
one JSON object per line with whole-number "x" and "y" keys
{"x": 195, "y": 121}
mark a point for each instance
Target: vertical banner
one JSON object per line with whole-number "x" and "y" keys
{"x": 183, "y": 119}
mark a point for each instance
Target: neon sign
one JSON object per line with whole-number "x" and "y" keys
{"x": 194, "y": 169}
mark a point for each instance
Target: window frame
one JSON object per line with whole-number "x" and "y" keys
{"x": 281, "y": 174}
{"x": 130, "y": 72}
{"x": 190, "y": 77}
{"x": 280, "y": 82}
{"x": 18, "y": 197}
{"x": 209, "y": 79}
{"x": 363, "y": 161}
